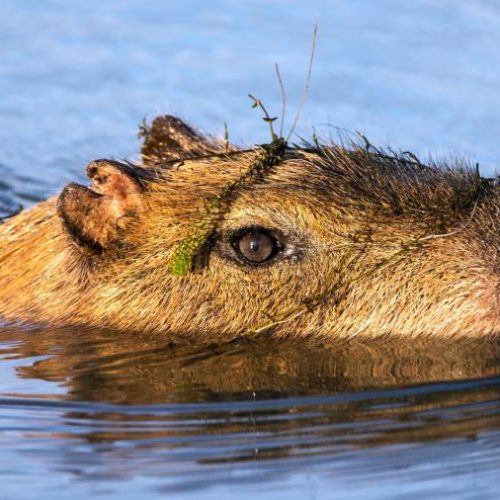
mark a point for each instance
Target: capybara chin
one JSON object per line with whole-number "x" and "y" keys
{"x": 216, "y": 242}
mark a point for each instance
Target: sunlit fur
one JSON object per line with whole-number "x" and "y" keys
{"x": 352, "y": 218}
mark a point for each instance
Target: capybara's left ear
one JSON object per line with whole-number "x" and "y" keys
{"x": 169, "y": 138}
{"x": 96, "y": 218}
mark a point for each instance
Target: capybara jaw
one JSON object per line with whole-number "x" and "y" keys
{"x": 206, "y": 240}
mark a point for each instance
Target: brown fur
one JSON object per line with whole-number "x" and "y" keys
{"x": 366, "y": 231}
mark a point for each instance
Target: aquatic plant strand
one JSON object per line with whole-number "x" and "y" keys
{"x": 183, "y": 258}
{"x": 309, "y": 304}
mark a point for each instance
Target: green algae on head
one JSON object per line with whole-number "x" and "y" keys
{"x": 184, "y": 256}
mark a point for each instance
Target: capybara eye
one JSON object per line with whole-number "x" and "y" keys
{"x": 257, "y": 246}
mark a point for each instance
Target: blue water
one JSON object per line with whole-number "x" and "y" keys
{"x": 84, "y": 415}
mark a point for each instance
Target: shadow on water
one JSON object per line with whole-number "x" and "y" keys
{"x": 191, "y": 415}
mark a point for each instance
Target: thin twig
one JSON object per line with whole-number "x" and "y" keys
{"x": 308, "y": 81}
{"x": 226, "y": 138}
{"x": 257, "y": 103}
{"x": 287, "y": 317}
{"x": 283, "y": 98}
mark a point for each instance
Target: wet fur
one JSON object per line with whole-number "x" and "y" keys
{"x": 346, "y": 212}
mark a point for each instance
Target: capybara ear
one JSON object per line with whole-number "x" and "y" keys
{"x": 169, "y": 138}
{"x": 96, "y": 218}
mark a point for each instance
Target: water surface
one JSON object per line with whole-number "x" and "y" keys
{"x": 134, "y": 414}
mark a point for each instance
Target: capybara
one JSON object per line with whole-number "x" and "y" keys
{"x": 204, "y": 239}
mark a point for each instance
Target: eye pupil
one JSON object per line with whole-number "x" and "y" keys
{"x": 257, "y": 246}
{"x": 254, "y": 245}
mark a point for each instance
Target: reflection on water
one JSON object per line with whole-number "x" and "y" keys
{"x": 118, "y": 406}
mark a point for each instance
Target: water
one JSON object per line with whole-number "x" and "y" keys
{"x": 89, "y": 412}
{"x": 136, "y": 414}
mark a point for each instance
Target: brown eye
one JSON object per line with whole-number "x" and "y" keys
{"x": 257, "y": 246}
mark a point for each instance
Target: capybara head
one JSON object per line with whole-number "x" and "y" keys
{"x": 213, "y": 241}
